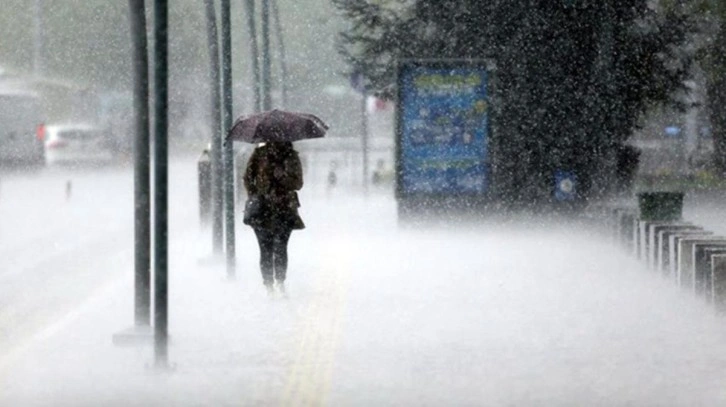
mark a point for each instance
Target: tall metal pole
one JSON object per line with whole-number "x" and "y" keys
{"x": 38, "y": 38}
{"x": 142, "y": 181}
{"x": 161, "y": 178}
{"x": 228, "y": 150}
{"x": 216, "y": 153}
{"x": 254, "y": 50}
{"x": 364, "y": 139}
{"x": 266, "y": 61}
{"x": 607, "y": 156}
{"x": 281, "y": 51}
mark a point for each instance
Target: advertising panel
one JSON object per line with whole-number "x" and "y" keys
{"x": 443, "y": 128}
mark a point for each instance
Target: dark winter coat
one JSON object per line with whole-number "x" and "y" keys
{"x": 274, "y": 173}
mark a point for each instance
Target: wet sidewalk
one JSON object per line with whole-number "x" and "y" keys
{"x": 519, "y": 314}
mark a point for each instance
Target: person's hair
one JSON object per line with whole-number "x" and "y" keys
{"x": 280, "y": 150}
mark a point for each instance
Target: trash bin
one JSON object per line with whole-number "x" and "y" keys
{"x": 204, "y": 169}
{"x": 660, "y": 206}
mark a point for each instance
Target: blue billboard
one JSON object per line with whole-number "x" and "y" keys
{"x": 443, "y": 129}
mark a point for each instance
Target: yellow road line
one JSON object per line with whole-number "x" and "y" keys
{"x": 301, "y": 366}
{"x": 337, "y": 333}
{"x": 310, "y": 376}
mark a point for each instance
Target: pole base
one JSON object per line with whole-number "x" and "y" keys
{"x": 137, "y": 335}
{"x": 160, "y": 367}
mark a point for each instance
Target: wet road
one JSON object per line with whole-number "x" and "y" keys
{"x": 530, "y": 312}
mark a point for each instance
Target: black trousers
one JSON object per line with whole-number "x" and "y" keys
{"x": 273, "y": 254}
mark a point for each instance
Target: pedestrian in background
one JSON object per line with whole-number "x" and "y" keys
{"x": 272, "y": 178}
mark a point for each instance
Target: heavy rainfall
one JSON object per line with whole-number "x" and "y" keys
{"x": 362, "y": 203}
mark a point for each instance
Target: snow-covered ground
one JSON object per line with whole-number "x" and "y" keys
{"x": 537, "y": 313}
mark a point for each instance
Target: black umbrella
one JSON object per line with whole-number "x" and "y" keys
{"x": 277, "y": 125}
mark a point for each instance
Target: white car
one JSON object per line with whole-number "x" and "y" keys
{"x": 75, "y": 144}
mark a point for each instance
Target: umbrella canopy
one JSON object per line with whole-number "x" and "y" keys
{"x": 277, "y": 126}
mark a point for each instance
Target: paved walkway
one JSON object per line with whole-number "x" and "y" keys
{"x": 535, "y": 314}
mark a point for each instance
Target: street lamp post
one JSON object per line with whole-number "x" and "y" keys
{"x": 142, "y": 181}
{"x": 254, "y": 50}
{"x": 216, "y": 153}
{"x": 140, "y": 332}
{"x": 364, "y": 139}
{"x": 228, "y": 150}
{"x": 281, "y": 52}
{"x": 266, "y": 61}
{"x": 161, "y": 173}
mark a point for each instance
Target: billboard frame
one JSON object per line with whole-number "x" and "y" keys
{"x": 407, "y": 198}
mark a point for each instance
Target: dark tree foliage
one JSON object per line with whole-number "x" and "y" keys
{"x": 573, "y": 76}
{"x": 717, "y": 96}
{"x": 712, "y": 58}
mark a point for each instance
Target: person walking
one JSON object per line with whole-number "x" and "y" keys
{"x": 272, "y": 178}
